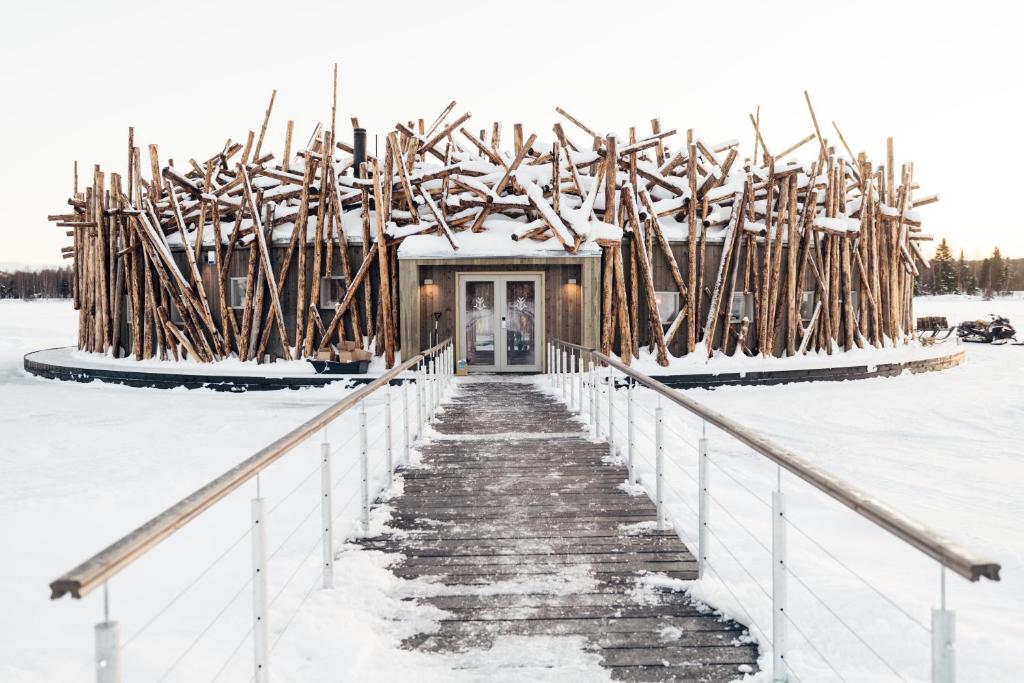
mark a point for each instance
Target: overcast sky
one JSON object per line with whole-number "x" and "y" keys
{"x": 943, "y": 79}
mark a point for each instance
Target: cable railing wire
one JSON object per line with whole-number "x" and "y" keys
{"x": 856, "y": 575}
{"x": 205, "y": 630}
{"x": 234, "y": 544}
{"x": 849, "y": 628}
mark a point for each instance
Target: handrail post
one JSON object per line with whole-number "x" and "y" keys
{"x": 562, "y": 356}
{"x": 780, "y": 670}
{"x": 405, "y": 421}
{"x": 389, "y": 461}
{"x": 579, "y": 381}
{"x": 702, "y": 502}
{"x": 325, "y": 512}
{"x": 108, "y": 646}
{"x": 433, "y": 385}
{"x": 630, "y": 430}
{"x": 572, "y": 379}
{"x": 659, "y": 466}
{"x": 364, "y": 469}
{"x": 259, "y": 589}
{"x": 611, "y": 411}
{"x": 548, "y": 366}
{"x": 943, "y": 638}
{"x": 595, "y": 414}
{"x": 419, "y": 400}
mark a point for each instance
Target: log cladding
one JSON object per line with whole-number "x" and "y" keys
{"x": 245, "y": 255}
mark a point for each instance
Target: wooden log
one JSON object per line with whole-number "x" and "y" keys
{"x": 606, "y": 302}
{"x": 625, "y": 340}
{"x": 268, "y": 269}
{"x": 691, "y": 251}
{"x": 732, "y": 233}
{"x": 343, "y": 305}
{"x": 382, "y": 264}
{"x": 322, "y": 217}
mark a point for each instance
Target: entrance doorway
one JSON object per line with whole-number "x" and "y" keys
{"x": 500, "y": 321}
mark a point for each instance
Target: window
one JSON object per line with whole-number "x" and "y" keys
{"x": 332, "y": 290}
{"x": 806, "y": 305}
{"x": 668, "y": 306}
{"x": 236, "y": 292}
{"x": 175, "y": 314}
{"x": 742, "y": 307}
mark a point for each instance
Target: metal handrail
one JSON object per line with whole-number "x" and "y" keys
{"x": 103, "y": 565}
{"x": 931, "y": 543}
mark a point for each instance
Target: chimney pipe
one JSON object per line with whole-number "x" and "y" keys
{"x": 359, "y": 148}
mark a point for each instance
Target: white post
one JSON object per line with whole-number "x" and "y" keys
{"x": 659, "y": 465}
{"x": 572, "y": 380}
{"x": 702, "y": 503}
{"x": 364, "y": 469}
{"x": 108, "y": 646}
{"x": 611, "y": 411}
{"x": 433, "y": 386}
{"x": 405, "y": 421}
{"x": 420, "y": 412}
{"x": 780, "y": 670}
{"x": 943, "y": 639}
{"x": 548, "y": 367}
{"x": 388, "y": 460}
{"x": 594, "y": 412}
{"x": 630, "y": 431}
{"x": 259, "y": 589}
{"x": 579, "y": 382}
{"x": 561, "y": 370}
{"x": 325, "y": 512}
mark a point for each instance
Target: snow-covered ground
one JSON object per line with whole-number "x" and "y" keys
{"x": 80, "y": 464}
{"x": 943, "y": 448}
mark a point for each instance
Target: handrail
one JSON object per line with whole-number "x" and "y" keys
{"x": 929, "y": 542}
{"x": 103, "y": 565}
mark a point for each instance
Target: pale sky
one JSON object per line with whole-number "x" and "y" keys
{"x": 942, "y": 78}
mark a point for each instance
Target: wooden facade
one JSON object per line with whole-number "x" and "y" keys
{"x": 676, "y": 245}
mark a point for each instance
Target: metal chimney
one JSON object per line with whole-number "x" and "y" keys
{"x": 359, "y": 148}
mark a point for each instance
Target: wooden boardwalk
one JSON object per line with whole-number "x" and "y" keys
{"x": 515, "y": 499}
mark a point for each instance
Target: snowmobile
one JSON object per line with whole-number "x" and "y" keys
{"x": 998, "y": 330}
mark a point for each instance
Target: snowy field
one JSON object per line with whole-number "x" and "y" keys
{"x": 943, "y": 448}
{"x": 80, "y": 464}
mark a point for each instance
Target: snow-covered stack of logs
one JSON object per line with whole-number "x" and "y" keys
{"x": 849, "y": 224}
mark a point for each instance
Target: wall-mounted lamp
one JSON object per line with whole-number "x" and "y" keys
{"x": 572, "y": 281}
{"x": 428, "y": 281}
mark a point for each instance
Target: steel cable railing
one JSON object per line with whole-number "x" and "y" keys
{"x": 602, "y": 383}
{"x": 430, "y": 373}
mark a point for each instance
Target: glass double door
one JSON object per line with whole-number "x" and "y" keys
{"x": 501, "y": 319}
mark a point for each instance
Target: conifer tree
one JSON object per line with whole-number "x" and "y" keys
{"x": 945, "y": 273}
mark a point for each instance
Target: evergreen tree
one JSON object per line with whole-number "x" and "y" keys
{"x": 962, "y": 271}
{"x": 985, "y": 275}
{"x": 995, "y": 276}
{"x": 945, "y": 273}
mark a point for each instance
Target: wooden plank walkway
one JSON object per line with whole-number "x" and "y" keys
{"x": 513, "y": 497}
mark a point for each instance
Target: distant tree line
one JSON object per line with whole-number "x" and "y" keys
{"x": 48, "y": 283}
{"x": 993, "y": 276}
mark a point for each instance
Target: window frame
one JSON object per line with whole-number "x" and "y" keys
{"x": 325, "y": 291}
{"x": 748, "y": 307}
{"x": 809, "y": 295}
{"x": 674, "y": 297}
{"x": 240, "y": 306}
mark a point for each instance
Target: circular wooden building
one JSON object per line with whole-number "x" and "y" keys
{"x": 655, "y": 243}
